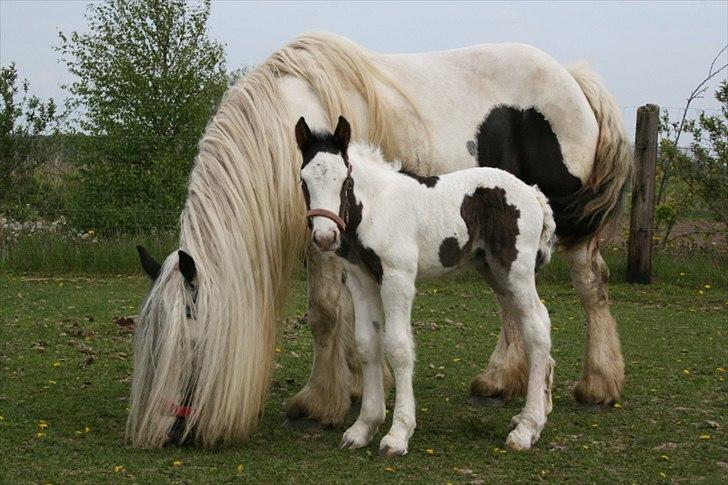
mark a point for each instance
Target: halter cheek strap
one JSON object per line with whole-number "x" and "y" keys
{"x": 330, "y": 215}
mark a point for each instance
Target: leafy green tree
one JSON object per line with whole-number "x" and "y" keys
{"x": 24, "y": 122}
{"x": 147, "y": 79}
{"x": 707, "y": 170}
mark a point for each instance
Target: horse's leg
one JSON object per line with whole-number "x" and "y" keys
{"x": 368, "y": 320}
{"x": 326, "y": 398}
{"x": 397, "y": 292}
{"x": 603, "y": 371}
{"x": 533, "y": 321}
{"x": 506, "y": 375}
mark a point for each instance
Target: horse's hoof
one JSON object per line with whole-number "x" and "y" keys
{"x": 487, "y": 401}
{"x": 303, "y": 424}
{"x": 591, "y": 407}
{"x": 387, "y": 452}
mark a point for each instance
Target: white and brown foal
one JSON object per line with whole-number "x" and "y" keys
{"x": 392, "y": 228}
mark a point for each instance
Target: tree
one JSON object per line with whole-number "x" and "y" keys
{"x": 24, "y": 120}
{"x": 148, "y": 77}
{"x": 698, "y": 176}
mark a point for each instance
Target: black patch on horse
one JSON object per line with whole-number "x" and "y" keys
{"x": 426, "y": 181}
{"x": 523, "y": 143}
{"x": 351, "y": 247}
{"x": 450, "y": 253}
{"x": 490, "y": 220}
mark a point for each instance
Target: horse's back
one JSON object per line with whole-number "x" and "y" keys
{"x": 456, "y": 90}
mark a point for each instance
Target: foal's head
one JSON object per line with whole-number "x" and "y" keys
{"x": 325, "y": 179}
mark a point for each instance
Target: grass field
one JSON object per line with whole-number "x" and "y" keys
{"x": 65, "y": 370}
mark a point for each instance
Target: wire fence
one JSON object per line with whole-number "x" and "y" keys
{"x": 65, "y": 227}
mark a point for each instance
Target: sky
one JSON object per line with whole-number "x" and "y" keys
{"x": 647, "y": 52}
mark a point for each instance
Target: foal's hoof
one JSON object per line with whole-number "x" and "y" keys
{"x": 517, "y": 441}
{"x": 387, "y": 452}
{"x": 303, "y": 424}
{"x": 487, "y": 401}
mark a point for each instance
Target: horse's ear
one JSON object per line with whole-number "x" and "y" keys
{"x": 151, "y": 267}
{"x": 303, "y": 134}
{"x": 343, "y": 133}
{"x": 187, "y": 266}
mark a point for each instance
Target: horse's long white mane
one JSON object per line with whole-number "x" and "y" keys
{"x": 243, "y": 224}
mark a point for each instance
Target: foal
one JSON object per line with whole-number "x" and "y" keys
{"x": 391, "y": 228}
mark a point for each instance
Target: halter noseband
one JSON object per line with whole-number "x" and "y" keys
{"x": 338, "y": 220}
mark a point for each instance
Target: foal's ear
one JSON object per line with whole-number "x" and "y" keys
{"x": 151, "y": 267}
{"x": 303, "y": 134}
{"x": 187, "y": 266}
{"x": 342, "y": 134}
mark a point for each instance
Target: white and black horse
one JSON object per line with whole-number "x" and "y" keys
{"x": 508, "y": 106}
{"x": 389, "y": 229}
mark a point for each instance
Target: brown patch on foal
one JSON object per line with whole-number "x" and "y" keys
{"x": 490, "y": 219}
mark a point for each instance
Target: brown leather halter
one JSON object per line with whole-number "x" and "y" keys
{"x": 338, "y": 220}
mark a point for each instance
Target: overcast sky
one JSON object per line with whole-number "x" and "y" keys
{"x": 646, "y": 51}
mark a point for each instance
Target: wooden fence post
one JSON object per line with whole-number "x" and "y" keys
{"x": 639, "y": 258}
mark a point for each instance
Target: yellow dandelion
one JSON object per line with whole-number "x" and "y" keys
{"x": 2, "y": 418}
{"x": 389, "y": 469}
{"x": 617, "y": 405}
{"x": 707, "y": 287}
{"x": 240, "y": 468}
{"x": 543, "y": 472}
{"x": 278, "y": 350}
{"x": 705, "y": 437}
{"x": 56, "y": 364}
{"x": 51, "y": 382}
{"x": 86, "y": 429}
{"x": 39, "y": 434}
{"x": 664, "y": 457}
{"x": 42, "y": 424}
{"x": 682, "y": 274}
{"x": 118, "y": 468}
{"x": 719, "y": 369}
{"x": 177, "y": 463}
{"x": 430, "y": 451}
{"x": 700, "y": 292}
{"x": 456, "y": 359}
{"x": 686, "y": 372}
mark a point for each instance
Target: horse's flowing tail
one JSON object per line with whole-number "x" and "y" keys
{"x": 600, "y": 199}
{"x": 548, "y": 231}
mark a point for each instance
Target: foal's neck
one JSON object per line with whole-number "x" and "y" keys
{"x": 370, "y": 177}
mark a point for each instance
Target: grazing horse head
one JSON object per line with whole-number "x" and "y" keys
{"x": 185, "y": 266}
{"x": 325, "y": 180}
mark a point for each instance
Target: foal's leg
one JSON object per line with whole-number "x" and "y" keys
{"x": 602, "y": 377}
{"x": 506, "y": 376}
{"x": 327, "y": 395}
{"x": 368, "y": 320}
{"x": 398, "y": 291}
{"x": 533, "y": 319}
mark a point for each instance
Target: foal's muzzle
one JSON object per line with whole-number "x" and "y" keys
{"x": 327, "y": 240}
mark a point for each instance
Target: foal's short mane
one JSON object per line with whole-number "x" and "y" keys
{"x": 371, "y": 154}
{"x": 243, "y": 223}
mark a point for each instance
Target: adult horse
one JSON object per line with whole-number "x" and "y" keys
{"x": 205, "y": 342}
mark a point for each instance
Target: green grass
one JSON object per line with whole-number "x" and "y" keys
{"x": 674, "y": 335}
{"x": 112, "y": 254}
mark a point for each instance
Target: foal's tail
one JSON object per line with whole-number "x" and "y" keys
{"x": 548, "y": 231}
